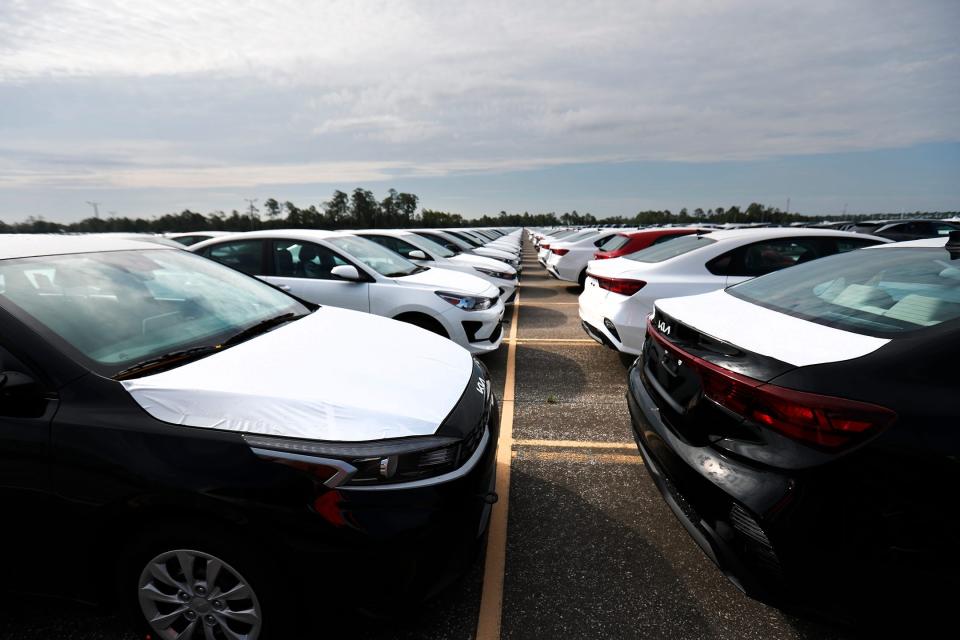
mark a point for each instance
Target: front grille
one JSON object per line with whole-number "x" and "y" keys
{"x": 470, "y": 443}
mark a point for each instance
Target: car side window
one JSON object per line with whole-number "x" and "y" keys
{"x": 766, "y": 256}
{"x": 943, "y": 229}
{"x": 292, "y": 259}
{"x": 842, "y": 245}
{"x": 394, "y": 244}
{"x": 242, "y": 255}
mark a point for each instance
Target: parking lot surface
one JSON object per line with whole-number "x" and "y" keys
{"x": 590, "y": 549}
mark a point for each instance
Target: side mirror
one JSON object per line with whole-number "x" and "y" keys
{"x": 20, "y": 395}
{"x": 346, "y": 272}
{"x": 417, "y": 254}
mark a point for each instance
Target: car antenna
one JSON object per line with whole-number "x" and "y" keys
{"x": 953, "y": 245}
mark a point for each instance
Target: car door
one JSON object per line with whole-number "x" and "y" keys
{"x": 766, "y": 256}
{"x": 242, "y": 255}
{"x": 26, "y": 409}
{"x": 304, "y": 269}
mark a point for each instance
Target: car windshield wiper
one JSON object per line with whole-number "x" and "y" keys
{"x": 261, "y": 327}
{"x": 173, "y": 357}
{"x": 194, "y": 353}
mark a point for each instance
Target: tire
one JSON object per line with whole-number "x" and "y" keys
{"x": 166, "y": 579}
{"x": 424, "y": 322}
{"x": 582, "y": 279}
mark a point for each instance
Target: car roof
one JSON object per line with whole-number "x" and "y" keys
{"x": 934, "y": 243}
{"x": 781, "y": 232}
{"x": 297, "y": 234}
{"x": 30, "y": 245}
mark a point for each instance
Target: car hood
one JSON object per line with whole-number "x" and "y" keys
{"x": 484, "y": 263}
{"x": 494, "y": 253}
{"x": 335, "y": 375}
{"x": 452, "y": 281}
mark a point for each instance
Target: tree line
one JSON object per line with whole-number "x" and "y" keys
{"x": 362, "y": 210}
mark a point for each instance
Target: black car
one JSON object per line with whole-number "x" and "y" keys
{"x": 805, "y": 429}
{"x": 916, "y": 230}
{"x": 220, "y": 458}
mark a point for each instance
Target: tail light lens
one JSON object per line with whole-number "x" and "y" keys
{"x": 623, "y": 286}
{"x": 826, "y": 422}
{"x": 545, "y": 246}
{"x": 599, "y": 256}
{"x": 560, "y": 252}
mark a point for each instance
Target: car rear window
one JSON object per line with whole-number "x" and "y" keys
{"x": 885, "y": 292}
{"x": 672, "y": 249}
{"x": 614, "y": 242}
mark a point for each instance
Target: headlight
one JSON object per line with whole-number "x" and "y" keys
{"x": 365, "y": 463}
{"x": 467, "y": 303}
{"x": 503, "y": 275}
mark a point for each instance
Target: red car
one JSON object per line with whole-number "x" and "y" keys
{"x": 631, "y": 241}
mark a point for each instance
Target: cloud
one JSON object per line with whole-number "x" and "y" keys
{"x": 222, "y": 91}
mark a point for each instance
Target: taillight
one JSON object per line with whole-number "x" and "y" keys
{"x": 826, "y": 422}
{"x": 623, "y": 286}
{"x": 561, "y": 252}
{"x": 599, "y": 256}
{"x": 545, "y": 246}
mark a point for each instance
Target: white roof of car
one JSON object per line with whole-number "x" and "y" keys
{"x": 31, "y": 245}
{"x": 297, "y": 234}
{"x": 925, "y": 242}
{"x": 764, "y": 233}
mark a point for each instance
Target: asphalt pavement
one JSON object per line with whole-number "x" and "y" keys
{"x": 592, "y": 551}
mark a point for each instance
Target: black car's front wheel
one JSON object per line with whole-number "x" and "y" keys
{"x": 190, "y": 594}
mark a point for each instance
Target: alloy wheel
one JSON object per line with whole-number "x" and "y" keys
{"x": 192, "y": 595}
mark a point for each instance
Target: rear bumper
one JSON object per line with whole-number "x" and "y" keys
{"x": 712, "y": 496}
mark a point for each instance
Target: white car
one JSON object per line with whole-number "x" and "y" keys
{"x": 342, "y": 270}
{"x": 428, "y": 253}
{"x": 457, "y": 244}
{"x": 618, "y": 295}
{"x": 193, "y": 237}
{"x": 543, "y": 252}
{"x": 486, "y": 241}
{"x": 567, "y": 259}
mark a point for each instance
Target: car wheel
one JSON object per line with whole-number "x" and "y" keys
{"x": 582, "y": 279}
{"x": 186, "y": 593}
{"x": 424, "y": 322}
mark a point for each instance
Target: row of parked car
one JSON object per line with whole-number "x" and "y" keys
{"x": 215, "y": 440}
{"x": 794, "y": 397}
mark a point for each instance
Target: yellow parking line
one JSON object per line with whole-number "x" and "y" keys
{"x": 588, "y": 458}
{"x": 575, "y": 444}
{"x": 552, "y": 340}
{"x": 491, "y": 600}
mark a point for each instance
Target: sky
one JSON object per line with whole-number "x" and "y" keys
{"x": 610, "y": 107}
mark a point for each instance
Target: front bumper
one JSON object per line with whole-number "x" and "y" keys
{"x": 397, "y": 547}
{"x": 476, "y": 331}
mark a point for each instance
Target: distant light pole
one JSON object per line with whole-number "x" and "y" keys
{"x": 251, "y": 209}
{"x": 96, "y": 208}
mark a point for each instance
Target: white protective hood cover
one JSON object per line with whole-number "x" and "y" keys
{"x": 760, "y": 330}
{"x": 335, "y": 375}
{"x": 453, "y": 281}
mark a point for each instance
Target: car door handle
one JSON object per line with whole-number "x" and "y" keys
{"x": 283, "y": 287}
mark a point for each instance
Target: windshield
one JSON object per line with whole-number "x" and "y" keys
{"x": 431, "y": 246}
{"x": 466, "y": 238}
{"x": 382, "y": 260}
{"x": 878, "y": 292}
{"x": 123, "y": 307}
{"x": 562, "y": 234}
{"x": 581, "y": 235}
{"x": 672, "y": 249}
